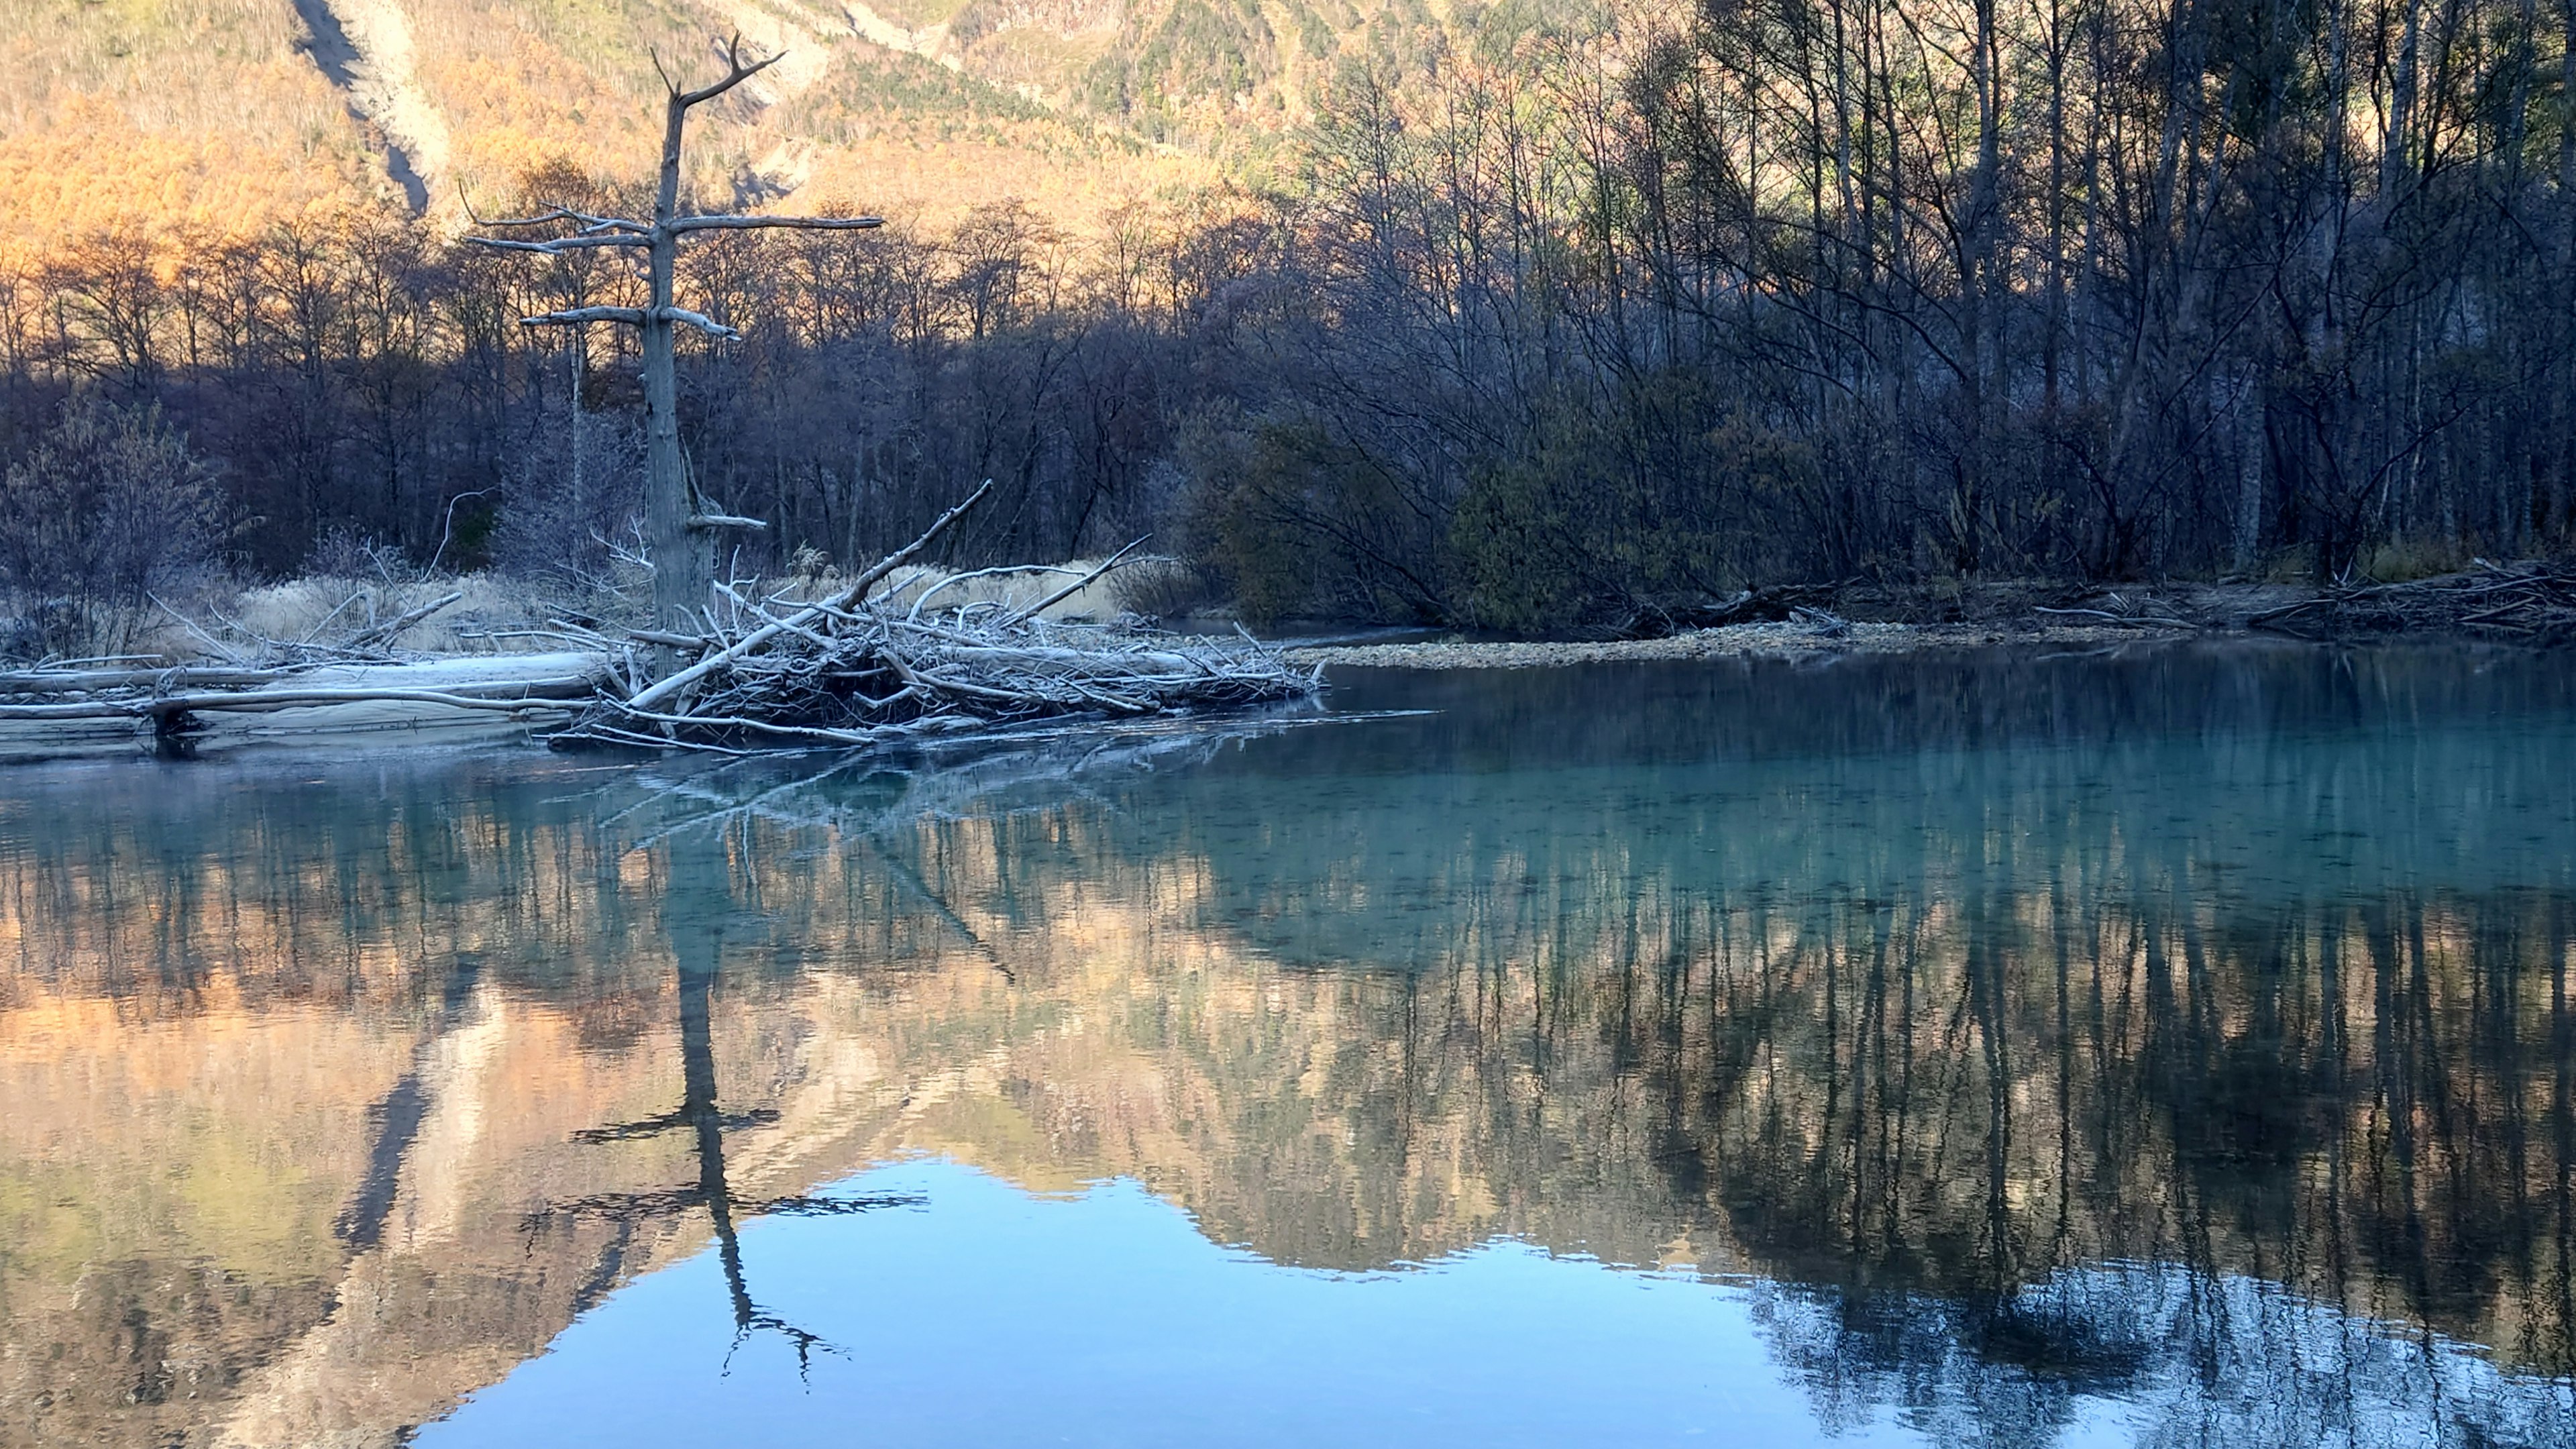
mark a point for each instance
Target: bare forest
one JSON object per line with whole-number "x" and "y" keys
{"x": 1556, "y": 328}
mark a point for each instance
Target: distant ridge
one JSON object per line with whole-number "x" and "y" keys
{"x": 231, "y": 114}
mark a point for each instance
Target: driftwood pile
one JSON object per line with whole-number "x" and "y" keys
{"x": 857, "y": 670}
{"x": 769, "y": 672}
{"x": 863, "y": 675}
{"x": 1772, "y": 604}
{"x": 2533, "y": 600}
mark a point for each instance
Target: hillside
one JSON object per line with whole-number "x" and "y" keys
{"x": 228, "y": 114}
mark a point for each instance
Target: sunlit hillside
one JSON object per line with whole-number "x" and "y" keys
{"x": 230, "y": 114}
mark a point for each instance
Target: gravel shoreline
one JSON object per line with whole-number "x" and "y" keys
{"x": 1791, "y": 640}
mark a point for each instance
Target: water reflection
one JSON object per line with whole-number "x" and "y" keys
{"x": 2186, "y": 1033}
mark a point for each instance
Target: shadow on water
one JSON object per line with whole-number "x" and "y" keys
{"x": 2187, "y": 1030}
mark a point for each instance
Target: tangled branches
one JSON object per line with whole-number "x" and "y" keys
{"x": 864, "y": 675}
{"x": 852, "y": 670}
{"x": 2534, "y": 600}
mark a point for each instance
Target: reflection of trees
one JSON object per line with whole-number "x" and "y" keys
{"x": 694, "y": 911}
{"x": 1936, "y": 1058}
{"x": 2337, "y": 1100}
{"x": 2192, "y": 1359}
{"x": 2008, "y": 1094}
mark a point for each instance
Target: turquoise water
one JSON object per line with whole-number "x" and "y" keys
{"x": 2162, "y": 1047}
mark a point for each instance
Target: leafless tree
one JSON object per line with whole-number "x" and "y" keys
{"x": 679, "y": 523}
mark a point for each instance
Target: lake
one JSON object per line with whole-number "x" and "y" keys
{"x": 2170, "y": 1046}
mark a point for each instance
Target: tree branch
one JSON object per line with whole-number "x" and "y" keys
{"x": 631, "y": 316}
{"x": 560, "y": 245}
{"x": 735, "y": 74}
{"x": 699, "y": 320}
{"x": 682, "y": 225}
{"x": 671, "y": 685}
{"x": 560, "y": 214}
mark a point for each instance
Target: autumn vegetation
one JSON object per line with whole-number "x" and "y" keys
{"x": 1548, "y": 326}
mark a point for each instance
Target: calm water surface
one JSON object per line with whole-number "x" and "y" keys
{"x": 2171, "y": 1048}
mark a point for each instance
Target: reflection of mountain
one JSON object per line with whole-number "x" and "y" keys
{"x": 307, "y": 1084}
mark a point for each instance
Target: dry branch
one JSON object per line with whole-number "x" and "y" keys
{"x": 390, "y": 630}
{"x": 2534, "y": 600}
{"x": 1774, "y": 604}
{"x": 848, "y": 597}
{"x": 1077, "y": 586}
{"x": 851, "y": 670}
{"x": 845, "y": 671}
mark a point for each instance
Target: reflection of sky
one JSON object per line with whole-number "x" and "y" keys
{"x": 989, "y": 1317}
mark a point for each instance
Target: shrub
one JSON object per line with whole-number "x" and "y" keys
{"x": 1301, "y": 524}
{"x": 107, "y": 509}
{"x": 575, "y": 525}
{"x": 1609, "y": 512}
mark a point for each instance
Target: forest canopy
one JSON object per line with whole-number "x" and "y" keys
{"x": 1551, "y": 326}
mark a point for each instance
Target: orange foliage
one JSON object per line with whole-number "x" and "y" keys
{"x": 95, "y": 171}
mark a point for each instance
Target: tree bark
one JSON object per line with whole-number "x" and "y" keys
{"x": 683, "y": 556}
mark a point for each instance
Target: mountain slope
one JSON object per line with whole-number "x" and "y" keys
{"x": 233, "y": 114}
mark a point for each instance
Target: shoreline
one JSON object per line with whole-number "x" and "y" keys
{"x": 2526, "y": 604}
{"x": 1733, "y": 641}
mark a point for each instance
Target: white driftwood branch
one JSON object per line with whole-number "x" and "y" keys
{"x": 575, "y": 316}
{"x": 970, "y": 575}
{"x": 514, "y": 695}
{"x": 700, "y": 321}
{"x": 683, "y": 225}
{"x": 1077, "y": 586}
{"x": 391, "y": 629}
{"x": 858, "y": 590}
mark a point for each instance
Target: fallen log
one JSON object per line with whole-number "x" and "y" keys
{"x": 1771, "y": 604}
{"x": 513, "y": 695}
{"x": 82, "y": 681}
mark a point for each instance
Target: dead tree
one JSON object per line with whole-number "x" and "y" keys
{"x": 679, "y": 524}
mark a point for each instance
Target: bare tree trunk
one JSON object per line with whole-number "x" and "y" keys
{"x": 2253, "y": 441}
{"x": 677, "y": 527}
{"x": 684, "y": 567}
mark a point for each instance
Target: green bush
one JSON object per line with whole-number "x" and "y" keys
{"x": 1300, "y": 524}
{"x": 1615, "y": 511}
{"x": 1599, "y": 510}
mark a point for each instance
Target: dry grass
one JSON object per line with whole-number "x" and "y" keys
{"x": 1099, "y": 602}
{"x": 2401, "y": 563}
{"x": 324, "y": 607}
